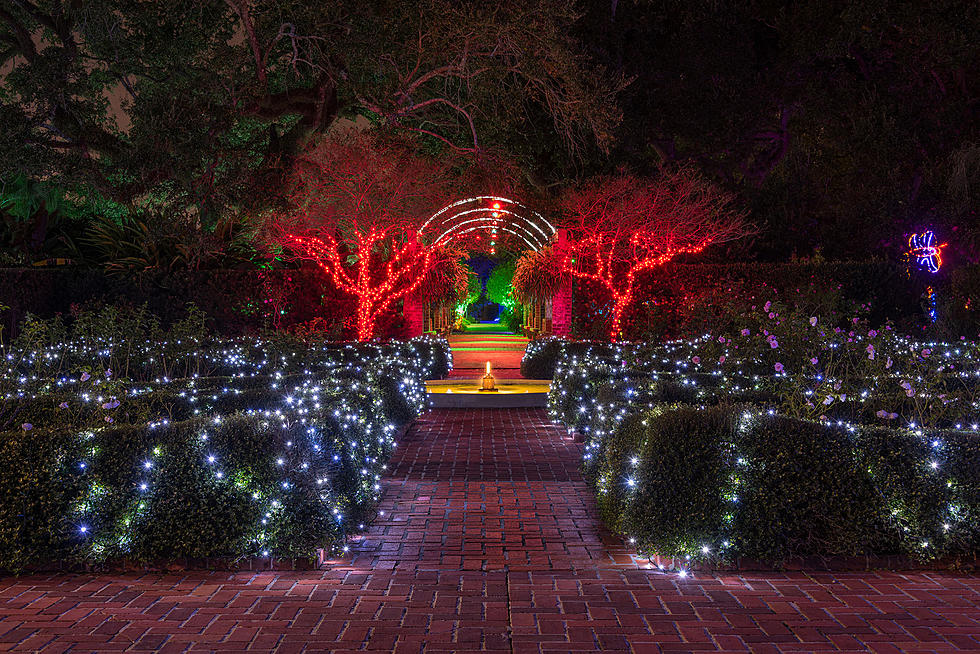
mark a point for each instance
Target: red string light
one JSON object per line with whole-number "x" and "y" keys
{"x": 376, "y": 284}
{"x": 625, "y": 226}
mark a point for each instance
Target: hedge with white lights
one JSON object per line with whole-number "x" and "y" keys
{"x": 275, "y": 454}
{"x": 785, "y": 439}
{"x": 724, "y": 483}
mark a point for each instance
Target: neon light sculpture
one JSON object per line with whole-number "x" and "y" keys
{"x": 925, "y": 251}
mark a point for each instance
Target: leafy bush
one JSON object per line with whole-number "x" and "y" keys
{"x": 858, "y": 441}
{"x": 723, "y": 483}
{"x": 277, "y": 450}
{"x": 541, "y": 357}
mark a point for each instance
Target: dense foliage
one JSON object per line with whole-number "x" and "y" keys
{"x": 687, "y": 299}
{"x": 790, "y": 435}
{"x": 91, "y": 98}
{"x": 841, "y": 127}
{"x": 145, "y": 445}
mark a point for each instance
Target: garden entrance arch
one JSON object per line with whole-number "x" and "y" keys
{"x": 493, "y": 224}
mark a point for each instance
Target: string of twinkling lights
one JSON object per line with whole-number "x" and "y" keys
{"x": 598, "y": 386}
{"x": 331, "y": 410}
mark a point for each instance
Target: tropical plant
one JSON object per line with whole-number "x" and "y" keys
{"x": 449, "y": 279}
{"x": 537, "y": 275}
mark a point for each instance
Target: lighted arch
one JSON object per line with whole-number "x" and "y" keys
{"x": 488, "y": 213}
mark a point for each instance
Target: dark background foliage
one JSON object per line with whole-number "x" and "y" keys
{"x": 841, "y": 125}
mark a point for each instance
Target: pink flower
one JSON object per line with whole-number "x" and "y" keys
{"x": 696, "y": 359}
{"x": 888, "y": 363}
{"x": 721, "y": 339}
{"x": 771, "y": 315}
{"x": 778, "y": 367}
{"x": 813, "y": 321}
{"x": 746, "y": 332}
{"x": 871, "y": 352}
{"x": 854, "y": 320}
{"x": 767, "y": 305}
{"x": 721, "y": 359}
{"x": 774, "y": 343}
{"x": 872, "y": 333}
{"x": 814, "y": 360}
{"x": 926, "y": 352}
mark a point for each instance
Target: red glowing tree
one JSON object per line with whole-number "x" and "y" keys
{"x": 622, "y": 227}
{"x": 353, "y": 207}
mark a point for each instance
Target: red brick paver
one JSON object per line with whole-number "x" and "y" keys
{"x": 489, "y": 541}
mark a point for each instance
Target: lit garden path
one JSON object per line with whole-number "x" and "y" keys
{"x": 484, "y": 342}
{"x": 489, "y": 542}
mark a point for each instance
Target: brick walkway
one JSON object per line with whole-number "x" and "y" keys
{"x": 489, "y": 542}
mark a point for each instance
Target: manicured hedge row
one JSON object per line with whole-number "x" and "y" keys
{"x": 724, "y": 483}
{"x": 542, "y": 355}
{"x": 700, "y": 461}
{"x": 245, "y": 465}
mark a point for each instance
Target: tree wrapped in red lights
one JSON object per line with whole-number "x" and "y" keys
{"x": 622, "y": 227}
{"x": 353, "y": 207}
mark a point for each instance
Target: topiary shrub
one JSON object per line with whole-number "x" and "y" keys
{"x": 667, "y": 468}
{"x": 724, "y": 483}
{"x": 802, "y": 492}
{"x": 541, "y": 357}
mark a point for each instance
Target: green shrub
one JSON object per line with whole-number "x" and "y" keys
{"x": 728, "y": 482}
{"x": 681, "y": 464}
{"x": 541, "y": 357}
{"x": 281, "y": 455}
{"x": 803, "y": 493}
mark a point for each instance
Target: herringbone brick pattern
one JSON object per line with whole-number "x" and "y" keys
{"x": 489, "y": 541}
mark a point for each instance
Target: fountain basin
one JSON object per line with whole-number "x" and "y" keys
{"x": 465, "y": 394}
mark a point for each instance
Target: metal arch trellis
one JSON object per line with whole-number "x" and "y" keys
{"x": 454, "y": 220}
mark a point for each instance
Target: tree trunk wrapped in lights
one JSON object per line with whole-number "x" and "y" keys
{"x": 622, "y": 227}
{"x": 353, "y": 207}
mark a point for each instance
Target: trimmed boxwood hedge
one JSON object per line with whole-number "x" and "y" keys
{"x": 296, "y": 459}
{"x": 743, "y": 483}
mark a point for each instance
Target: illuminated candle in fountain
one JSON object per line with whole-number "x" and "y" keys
{"x": 488, "y": 380}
